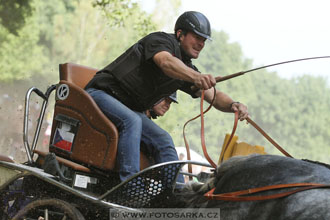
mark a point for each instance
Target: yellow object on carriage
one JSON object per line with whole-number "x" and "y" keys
{"x": 236, "y": 148}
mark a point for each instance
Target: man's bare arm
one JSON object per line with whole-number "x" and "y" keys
{"x": 175, "y": 68}
{"x": 224, "y": 103}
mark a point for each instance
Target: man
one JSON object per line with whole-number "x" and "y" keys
{"x": 153, "y": 68}
{"x": 161, "y": 107}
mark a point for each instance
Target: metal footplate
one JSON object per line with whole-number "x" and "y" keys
{"x": 149, "y": 188}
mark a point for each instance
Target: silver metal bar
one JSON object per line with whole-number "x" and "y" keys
{"x": 26, "y": 125}
{"x": 46, "y": 214}
{"x": 29, "y": 150}
{"x": 188, "y": 174}
{"x": 38, "y": 128}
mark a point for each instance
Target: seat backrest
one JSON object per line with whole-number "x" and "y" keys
{"x": 90, "y": 137}
{"x": 77, "y": 74}
{"x": 80, "y": 131}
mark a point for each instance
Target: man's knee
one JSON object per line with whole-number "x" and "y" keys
{"x": 166, "y": 137}
{"x": 133, "y": 120}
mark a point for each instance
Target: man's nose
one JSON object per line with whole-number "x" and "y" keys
{"x": 201, "y": 43}
{"x": 168, "y": 104}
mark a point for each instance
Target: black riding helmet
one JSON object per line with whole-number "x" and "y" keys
{"x": 194, "y": 21}
{"x": 172, "y": 97}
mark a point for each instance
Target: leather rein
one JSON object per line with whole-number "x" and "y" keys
{"x": 245, "y": 195}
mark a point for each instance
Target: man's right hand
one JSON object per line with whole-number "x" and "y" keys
{"x": 204, "y": 81}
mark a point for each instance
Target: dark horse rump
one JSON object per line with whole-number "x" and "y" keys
{"x": 241, "y": 173}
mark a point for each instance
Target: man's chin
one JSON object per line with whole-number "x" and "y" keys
{"x": 160, "y": 113}
{"x": 195, "y": 55}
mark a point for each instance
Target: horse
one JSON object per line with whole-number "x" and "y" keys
{"x": 254, "y": 171}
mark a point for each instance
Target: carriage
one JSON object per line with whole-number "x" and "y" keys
{"x": 77, "y": 178}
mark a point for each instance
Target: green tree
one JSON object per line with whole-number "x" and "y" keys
{"x": 20, "y": 55}
{"x": 71, "y": 31}
{"x": 25, "y": 54}
{"x": 13, "y": 14}
{"x": 119, "y": 11}
{"x": 168, "y": 9}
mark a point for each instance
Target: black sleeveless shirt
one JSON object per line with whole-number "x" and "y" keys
{"x": 135, "y": 80}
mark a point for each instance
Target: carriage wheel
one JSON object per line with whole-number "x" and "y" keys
{"x": 46, "y": 209}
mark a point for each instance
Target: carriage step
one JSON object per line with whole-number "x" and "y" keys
{"x": 65, "y": 162}
{"x": 6, "y": 159}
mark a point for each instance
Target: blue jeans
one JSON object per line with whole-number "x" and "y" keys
{"x": 134, "y": 127}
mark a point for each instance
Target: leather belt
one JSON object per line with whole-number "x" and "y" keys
{"x": 242, "y": 195}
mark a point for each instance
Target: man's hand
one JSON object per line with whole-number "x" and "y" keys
{"x": 242, "y": 110}
{"x": 204, "y": 81}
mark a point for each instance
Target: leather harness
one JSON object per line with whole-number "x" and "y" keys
{"x": 245, "y": 195}
{"x": 240, "y": 196}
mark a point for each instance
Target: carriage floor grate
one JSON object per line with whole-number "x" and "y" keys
{"x": 149, "y": 189}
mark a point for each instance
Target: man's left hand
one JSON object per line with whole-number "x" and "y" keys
{"x": 242, "y": 110}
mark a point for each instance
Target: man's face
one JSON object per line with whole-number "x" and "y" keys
{"x": 191, "y": 43}
{"x": 161, "y": 108}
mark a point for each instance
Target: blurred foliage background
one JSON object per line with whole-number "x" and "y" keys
{"x": 36, "y": 36}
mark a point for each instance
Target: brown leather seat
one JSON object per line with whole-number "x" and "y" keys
{"x": 91, "y": 138}
{"x": 77, "y": 74}
{"x": 95, "y": 137}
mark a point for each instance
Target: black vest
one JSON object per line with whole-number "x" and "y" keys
{"x": 137, "y": 82}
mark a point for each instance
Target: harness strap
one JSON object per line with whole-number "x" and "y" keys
{"x": 241, "y": 195}
{"x": 231, "y": 136}
{"x": 268, "y": 137}
{"x": 202, "y": 133}
{"x": 248, "y": 119}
